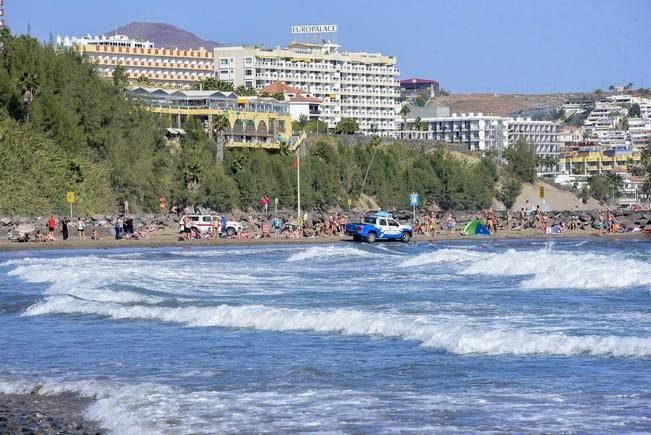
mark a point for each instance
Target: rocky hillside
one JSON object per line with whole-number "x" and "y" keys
{"x": 164, "y": 35}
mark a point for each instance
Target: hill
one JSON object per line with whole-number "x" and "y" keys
{"x": 499, "y": 104}
{"x": 164, "y": 35}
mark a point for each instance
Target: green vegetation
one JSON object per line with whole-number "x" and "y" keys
{"x": 309, "y": 125}
{"x": 347, "y": 126}
{"x": 63, "y": 128}
{"x": 210, "y": 84}
{"x": 604, "y": 187}
{"x": 520, "y": 168}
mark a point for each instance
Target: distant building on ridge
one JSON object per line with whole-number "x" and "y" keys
{"x": 168, "y": 67}
{"x": 414, "y": 87}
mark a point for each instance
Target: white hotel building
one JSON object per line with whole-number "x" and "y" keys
{"x": 361, "y": 86}
{"x": 479, "y": 132}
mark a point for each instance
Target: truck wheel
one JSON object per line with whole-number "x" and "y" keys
{"x": 405, "y": 237}
{"x": 230, "y": 231}
{"x": 371, "y": 237}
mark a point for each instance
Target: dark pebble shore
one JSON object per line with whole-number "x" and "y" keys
{"x": 40, "y": 414}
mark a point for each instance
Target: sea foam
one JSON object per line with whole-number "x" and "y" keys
{"x": 329, "y": 252}
{"x": 454, "y": 337}
{"x": 544, "y": 268}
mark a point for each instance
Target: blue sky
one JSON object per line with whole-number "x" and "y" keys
{"x": 501, "y": 46}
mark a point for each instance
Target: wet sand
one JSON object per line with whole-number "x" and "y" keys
{"x": 169, "y": 238}
{"x": 44, "y": 414}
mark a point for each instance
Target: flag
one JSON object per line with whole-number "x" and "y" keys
{"x": 295, "y": 164}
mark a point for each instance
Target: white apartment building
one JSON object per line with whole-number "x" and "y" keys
{"x": 481, "y": 132}
{"x": 645, "y": 108}
{"x": 604, "y": 116}
{"x": 639, "y": 132}
{"x": 163, "y": 67}
{"x": 478, "y": 132}
{"x": 613, "y": 138}
{"x": 362, "y": 86}
{"x": 543, "y": 135}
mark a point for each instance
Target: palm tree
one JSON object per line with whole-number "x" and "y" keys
{"x": 221, "y": 124}
{"x": 28, "y": 86}
{"x": 419, "y": 124}
{"x": 143, "y": 80}
{"x": 404, "y": 111}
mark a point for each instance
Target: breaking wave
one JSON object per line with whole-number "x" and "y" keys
{"x": 449, "y": 337}
{"x": 545, "y": 268}
{"x": 321, "y": 252}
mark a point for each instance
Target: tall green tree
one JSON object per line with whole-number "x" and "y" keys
{"x": 347, "y": 126}
{"x": 404, "y": 112}
{"x": 522, "y": 162}
{"x": 120, "y": 78}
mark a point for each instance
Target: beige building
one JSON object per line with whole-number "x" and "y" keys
{"x": 166, "y": 67}
{"x": 361, "y": 86}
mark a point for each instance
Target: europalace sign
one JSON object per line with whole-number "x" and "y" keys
{"x": 315, "y": 28}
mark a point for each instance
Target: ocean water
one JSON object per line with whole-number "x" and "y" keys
{"x": 528, "y": 336}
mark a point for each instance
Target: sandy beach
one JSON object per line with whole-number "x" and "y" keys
{"x": 169, "y": 238}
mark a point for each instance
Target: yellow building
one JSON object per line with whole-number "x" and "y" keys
{"x": 252, "y": 122}
{"x": 160, "y": 66}
{"x": 596, "y": 161}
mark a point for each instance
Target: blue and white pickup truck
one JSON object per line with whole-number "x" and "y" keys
{"x": 379, "y": 226}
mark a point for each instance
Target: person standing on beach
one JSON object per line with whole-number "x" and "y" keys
{"x": 223, "y": 226}
{"x": 126, "y": 207}
{"x": 522, "y": 218}
{"x": 508, "y": 219}
{"x": 81, "y": 226}
{"x": 51, "y": 223}
{"x": 265, "y": 202}
{"x": 450, "y": 223}
{"x": 64, "y": 227}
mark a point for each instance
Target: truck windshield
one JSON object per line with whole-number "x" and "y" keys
{"x": 369, "y": 220}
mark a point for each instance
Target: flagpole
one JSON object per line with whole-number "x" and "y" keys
{"x": 298, "y": 184}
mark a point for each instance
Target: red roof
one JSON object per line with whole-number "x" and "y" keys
{"x": 280, "y": 88}
{"x": 304, "y": 99}
{"x": 417, "y": 81}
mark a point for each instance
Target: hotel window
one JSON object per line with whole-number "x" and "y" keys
{"x": 248, "y": 84}
{"x": 223, "y": 62}
{"x": 248, "y": 72}
{"x": 248, "y": 61}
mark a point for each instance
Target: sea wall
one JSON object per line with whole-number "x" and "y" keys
{"x": 586, "y": 220}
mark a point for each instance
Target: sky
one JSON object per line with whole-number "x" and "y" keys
{"x": 469, "y": 46}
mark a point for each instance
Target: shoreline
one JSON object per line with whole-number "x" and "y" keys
{"x": 166, "y": 239}
{"x": 46, "y": 414}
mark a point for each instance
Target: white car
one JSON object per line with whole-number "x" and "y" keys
{"x": 202, "y": 223}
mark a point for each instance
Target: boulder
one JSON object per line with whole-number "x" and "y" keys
{"x": 6, "y": 221}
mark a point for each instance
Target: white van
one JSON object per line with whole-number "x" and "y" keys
{"x": 202, "y": 223}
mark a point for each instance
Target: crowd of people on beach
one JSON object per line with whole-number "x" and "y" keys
{"x": 273, "y": 225}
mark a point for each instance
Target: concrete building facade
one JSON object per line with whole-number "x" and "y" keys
{"x": 478, "y": 132}
{"x": 160, "y": 66}
{"x": 362, "y": 86}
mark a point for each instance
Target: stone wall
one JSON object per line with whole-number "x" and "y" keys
{"x": 587, "y": 219}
